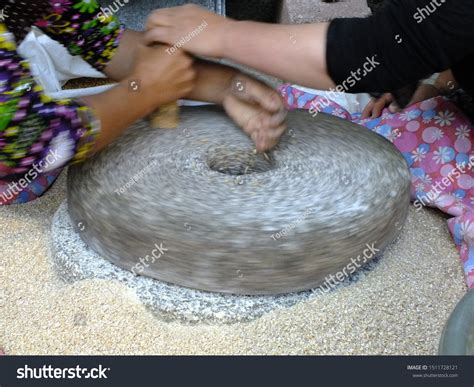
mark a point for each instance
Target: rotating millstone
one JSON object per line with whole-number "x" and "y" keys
{"x": 196, "y": 207}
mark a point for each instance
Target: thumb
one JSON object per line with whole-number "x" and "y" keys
{"x": 157, "y": 35}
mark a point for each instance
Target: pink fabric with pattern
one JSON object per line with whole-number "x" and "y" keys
{"x": 436, "y": 139}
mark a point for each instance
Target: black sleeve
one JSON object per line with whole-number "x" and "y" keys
{"x": 405, "y": 41}
{"x": 464, "y": 73}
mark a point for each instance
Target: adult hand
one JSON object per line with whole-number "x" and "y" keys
{"x": 257, "y": 109}
{"x": 190, "y": 26}
{"x": 375, "y": 107}
{"x": 157, "y": 78}
{"x": 160, "y": 77}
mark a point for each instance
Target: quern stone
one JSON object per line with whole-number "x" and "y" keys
{"x": 74, "y": 261}
{"x": 196, "y": 207}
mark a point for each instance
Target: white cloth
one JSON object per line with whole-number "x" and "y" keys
{"x": 353, "y": 103}
{"x": 52, "y": 66}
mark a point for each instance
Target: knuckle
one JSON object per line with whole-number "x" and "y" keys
{"x": 187, "y": 61}
{"x": 192, "y": 74}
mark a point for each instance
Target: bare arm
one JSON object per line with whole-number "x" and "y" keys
{"x": 346, "y": 48}
{"x": 304, "y": 59}
{"x": 162, "y": 78}
{"x": 259, "y": 110}
{"x": 213, "y": 81}
{"x": 292, "y": 52}
{"x": 121, "y": 65}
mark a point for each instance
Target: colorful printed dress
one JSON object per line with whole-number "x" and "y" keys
{"x": 437, "y": 141}
{"x": 38, "y": 135}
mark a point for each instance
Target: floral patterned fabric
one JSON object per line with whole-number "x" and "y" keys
{"x": 39, "y": 135}
{"x": 436, "y": 139}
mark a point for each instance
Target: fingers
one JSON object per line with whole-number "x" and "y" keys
{"x": 262, "y": 112}
{"x": 268, "y": 139}
{"x": 158, "y": 35}
{"x": 256, "y": 122}
{"x": 262, "y": 133}
{"x": 368, "y": 109}
{"x": 375, "y": 107}
{"x": 378, "y": 107}
{"x": 253, "y": 91}
{"x": 159, "y": 26}
{"x": 423, "y": 93}
{"x": 278, "y": 118}
{"x": 166, "y": 17}
{"x": 159, "y": 18}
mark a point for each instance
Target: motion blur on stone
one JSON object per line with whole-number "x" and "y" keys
{"x": 197, "y": 207}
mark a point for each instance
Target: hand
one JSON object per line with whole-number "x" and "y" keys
{"x": 162, "y": 77}
{"x": 205, "y": 29}
{"x": 375, "y": 107}
{"x": 257, "y": 109}
{"x": 423, "y": 93}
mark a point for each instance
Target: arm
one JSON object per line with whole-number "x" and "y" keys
{"x": 296, "y": 53}
{"x": 258, "y": 109}
{"x": 407, "y": 44}
{"x": 292, "y": 52}
{"x": 102, "y": 42}
{"x": 444, "y": 83}
{"x": 32, "y": 125}
{"x": 118, "y": 108}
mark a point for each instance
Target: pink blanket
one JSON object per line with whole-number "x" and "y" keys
{"x": 436, "y": 139}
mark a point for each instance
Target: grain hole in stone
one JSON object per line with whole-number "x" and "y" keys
{"x": 237, "y": 162}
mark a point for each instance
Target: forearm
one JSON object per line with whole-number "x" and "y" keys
{"x": 117, "y": 109}
{"x": 121, "y": 65}
{"x": 213, "y": 81}
{"x": 445, "y": 82}
{"x": 296, "y": 53}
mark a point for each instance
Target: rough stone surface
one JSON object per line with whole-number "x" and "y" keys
{"x": 458, "y": 335}
{"x": 228, "y": 220}
{"x": 311, "y": 11}
{"x": 74, "y": 261}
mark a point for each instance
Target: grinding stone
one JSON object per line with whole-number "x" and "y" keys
{"x": 458, "y": 335}
{"x": 73, "y": 261}
{"x": 218, "y": 209}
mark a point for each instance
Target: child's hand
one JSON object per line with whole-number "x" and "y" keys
{"x": 258, "y": 110}
{"x": 201, "y": 32}
{"x": 161, "y": 78}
